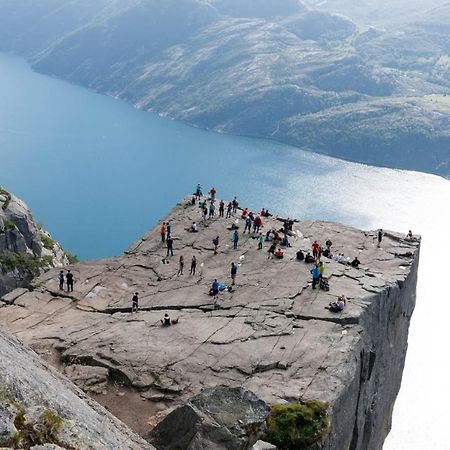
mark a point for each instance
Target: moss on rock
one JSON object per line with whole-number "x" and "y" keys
{"x": 294, "y": 426}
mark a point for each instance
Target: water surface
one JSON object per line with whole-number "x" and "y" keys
{"x": 98, "y": 173}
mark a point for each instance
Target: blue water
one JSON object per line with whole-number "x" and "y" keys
{"x": 98, "y": 173}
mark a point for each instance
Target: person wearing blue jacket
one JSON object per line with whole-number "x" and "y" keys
{"x": 315, "y": 272}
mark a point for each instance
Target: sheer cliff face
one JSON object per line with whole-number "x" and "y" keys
{"x": 303, "y": 75}
{"x": 362, "y": 415}
{"x": 25, "y": 249}
{"x": 271, "y": 334}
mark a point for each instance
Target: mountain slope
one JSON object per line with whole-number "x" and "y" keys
{"x": 269, "y": 70}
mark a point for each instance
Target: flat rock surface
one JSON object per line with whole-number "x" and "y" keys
{"x": 271, "y": 334}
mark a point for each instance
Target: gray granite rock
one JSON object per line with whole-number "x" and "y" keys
{"x": 21, "y": 236}
{"x": 29, "y": 386}
{"x": 219, "y": 418}
{"x": 271, "y": 334}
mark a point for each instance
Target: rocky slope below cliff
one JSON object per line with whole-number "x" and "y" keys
{"x": 41, "y": 410}
{"x": 300, "y": 74}
{"x": 26, "y": 250}
{"x": 271, "y": 334}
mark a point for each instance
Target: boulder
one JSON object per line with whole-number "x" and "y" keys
{"x": 218, "y": 418}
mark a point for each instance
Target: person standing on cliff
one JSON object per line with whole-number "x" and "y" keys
{"x": 168, "y": 230}
{"x": 198, "y": 192}
{"x": 248, "y": 225}
{"x": 260, "y": 241}
{"x": 315, "y": 249}
{"x": 181, "y": 266}
{"x": 235, "y": 204}
{"x": 216, "y": 244}
{"x": 315, "y": 272}
{"x": 229, "y": 209}
{"x": 193, "y": 265}
{"x": 61, "y": 280}
{"x": 221, "y": 208}
{"x": 379, "y": 236}
{"x": 135, "y": 303}
{"x": 170, "y": 246}
{"x": 235, "y": 239}
{"x": 233, "y": 273}
{"x": 69, "y": 281}
{"x": 163, "y": 232}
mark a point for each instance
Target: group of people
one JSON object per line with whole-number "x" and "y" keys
{"x": 66, "y": 279}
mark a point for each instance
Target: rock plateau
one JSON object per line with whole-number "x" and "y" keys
{"x": 271, "y": 334}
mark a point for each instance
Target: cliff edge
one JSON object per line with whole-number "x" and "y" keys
{"x": 270, "y": 333}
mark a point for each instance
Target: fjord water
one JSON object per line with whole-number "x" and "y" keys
{"x": 98, "y": 173}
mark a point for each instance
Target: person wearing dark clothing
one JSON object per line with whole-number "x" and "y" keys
{"x": 229, "y": 209}
{"x": 193, "y": 265}
{"x": 315, "y": 272}
{"x": 356, "y": 262}
{"x": 168, "y": 229}
{"x": 169, "y": 243}
{"x": 379, "y": 236}
{"x": 271, "y": 250}
{"x": 309, "y": 258}
{"x": 235, "y": 204}
{"x": 135, "y": 302}
{"x": 300, "y": 255}
{"x": 216, "y": 244}
{"x": 221, "y": 208}
{"x": 166, "y": 322}
{"x": 248, "y": 225}
{"x": 69, "y": 281}
{"x": 233, "y": 273}
{"x": 61, "y": 280}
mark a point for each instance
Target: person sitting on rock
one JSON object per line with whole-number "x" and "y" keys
{"x": 356, "y": 262}
{"x": 337, "y": 306}
{"x": 300, "y": 255}
{"x": 271, "y": 251}
{"x": 194, "y": 228}
{"x": 263, "y": 213}
{"x": 279, "y": 254}
{"x": 166, "y": 322}
{"x": 339, "y": 258}
{"x": 308, "y": 258}
{"x": 244, "y": 213}
{"x": 410, "y": 236}
{"x": 285, "y": 241}
{"x": 214, "y": 288}
{"x": 268, "y": 235}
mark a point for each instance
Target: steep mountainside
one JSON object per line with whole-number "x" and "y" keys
{"x": 26, "y": 250}
{"x": 269, "y": 70}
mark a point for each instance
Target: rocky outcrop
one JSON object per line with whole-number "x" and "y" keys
{"x": 270, "y": 334}
{"x": 26, "y": 250}
{"x": 40, "y": 409}
{"x": 219, "y": 418}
